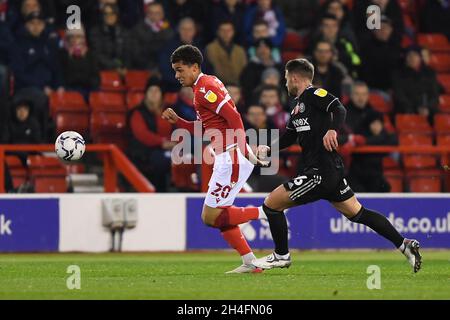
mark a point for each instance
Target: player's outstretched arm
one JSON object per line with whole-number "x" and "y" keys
{"x": 171, "y": 116}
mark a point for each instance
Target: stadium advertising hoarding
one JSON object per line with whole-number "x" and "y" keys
{"x": 319, "y": 226}
{"x": 29, "y": 225}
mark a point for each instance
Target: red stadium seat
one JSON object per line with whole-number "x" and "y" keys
{"x": 413, "y": 139}
{"x": 67, "y": 101}
{"x": 412, "y": 123}
{"x": 107, "y": 122}
{"x": 111, "y": 81}
{"x": 70, "y": 121}
{"x": 289, "y": 55}
{"x": 443, "y": 140}
{"x": 442, "y": 123}
{"x": 136, "y": 80}
{"x": 444, "y": 103}
{"x": 294, "y": 42}
{"x": 50, "y": 185}
{"x": 388, "y": 123}
{"x": 419, "y": 161}
{"x": 379, "y": 103}
{"x": 119, "y": 139}
{"x": 390, "y": 163}
{"x": 440, "y": 62}
{"x": 395, "y": 179}
{"x": 107, "y": 101}
{"x": 435, "y": 42}
{"x": 444, "y": 80}
{"x": 45, "y": 166}
{"x": 425, "y": 184}
{"x": 19, "y": 173}
{"x": 182, "y": 177}
{"x": 133, "y": 99}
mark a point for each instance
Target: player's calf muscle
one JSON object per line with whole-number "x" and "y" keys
{"x": 209, "y": 215}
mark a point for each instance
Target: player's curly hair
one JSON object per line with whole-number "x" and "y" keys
{"x": 187, "y": 54}
{"x": 302, "y": 67}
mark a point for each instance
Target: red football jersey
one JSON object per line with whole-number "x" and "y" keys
{"x": 210, "y": 95}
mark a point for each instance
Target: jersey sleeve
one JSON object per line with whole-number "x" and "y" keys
{"x": 289, "y": 124}
{"x": 213, "y": 97}
{"x": 324, "y": 100}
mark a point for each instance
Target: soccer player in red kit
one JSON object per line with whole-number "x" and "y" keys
{"x": 223, "y": 124}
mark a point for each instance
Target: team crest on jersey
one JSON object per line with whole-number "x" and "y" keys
{"x": 321, "y": 92}
{"x": 301, "y": 107}
{"x": 211, "y": 96}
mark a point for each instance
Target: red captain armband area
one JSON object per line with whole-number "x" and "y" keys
{"x": 234, "y": 120}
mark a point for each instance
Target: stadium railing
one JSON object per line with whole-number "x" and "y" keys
{"x": 114, "y": 162}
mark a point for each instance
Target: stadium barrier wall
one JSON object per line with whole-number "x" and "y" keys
{"x": 171, "y": 222}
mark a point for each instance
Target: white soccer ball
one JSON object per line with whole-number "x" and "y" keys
{"x": 70, "y": 146}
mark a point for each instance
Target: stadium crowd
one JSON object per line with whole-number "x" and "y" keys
{"x": 377, "y": 73}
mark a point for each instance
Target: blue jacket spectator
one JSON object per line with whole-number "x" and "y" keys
{"x": 34, "y": 56}
{"x": 272, "y": 15}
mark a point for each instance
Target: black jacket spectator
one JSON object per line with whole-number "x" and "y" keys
{"x": 416, "y": 89}
{"x": 435, "y": 17}
{"x": 366, "y": 170}
{"x": 111, "y": 42}
{"x": 23, "y": 127}
{"x": 80, "y": 67}
{"x": 380, "y": 52}
{"x": 233, "y": 11}
{"x": 251, "y": 75}
{"x": 151, "y": 35}
{"x": 34, "y": 56}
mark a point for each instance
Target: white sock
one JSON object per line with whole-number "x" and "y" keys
{"x": 402, "y": 247}
{"x": 262, "y": 214}
{"x": 282, "y": 256}
{"x": 248, "y": 258}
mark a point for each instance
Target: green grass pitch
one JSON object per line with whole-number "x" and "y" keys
{"x": 313, "y": 275}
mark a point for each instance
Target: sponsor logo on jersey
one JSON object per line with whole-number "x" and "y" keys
{"x": 321, "y": 92}
{"x": 301, "y": 107}
{"x": 211, "y": 96}
{"x": 202, "y": 90}
{"x": 301, "y": 124}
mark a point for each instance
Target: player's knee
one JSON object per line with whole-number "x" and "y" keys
{"x": 212, "y": 219}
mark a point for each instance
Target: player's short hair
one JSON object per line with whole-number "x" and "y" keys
{"x": 301, "y": 67}
{"x": 187, "y": 54}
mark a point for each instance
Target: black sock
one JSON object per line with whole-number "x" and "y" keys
{"x": 279, "y": 229}
{"x": 380, "y": 224}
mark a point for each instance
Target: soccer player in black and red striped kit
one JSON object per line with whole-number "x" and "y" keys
{"x": 313, "y": 124}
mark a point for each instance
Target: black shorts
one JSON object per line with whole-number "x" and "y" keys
{"x": 312, "y": 186}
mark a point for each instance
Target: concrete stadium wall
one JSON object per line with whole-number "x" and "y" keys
{"x": 171, "y": 222}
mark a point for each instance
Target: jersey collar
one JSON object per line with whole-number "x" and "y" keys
{"x": 308, "y": 87}
{"x": 198, "y": 78}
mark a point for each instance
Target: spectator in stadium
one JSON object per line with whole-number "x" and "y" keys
{"x": 150, "y": 144}
{"x": 229, "y": 10}
{"x": 184, "y": 106}
{"x": 6, "y": 42}
{"x": 260, "y": 30}
{"x": 346, "y": 48}
{"x": 79, "y": 65}
{"x": 180, "y": 9}
{"x": 187, "y": 32}
{"x": 416, "y": 89}
{"x": 299, "y": 15}
{"x": 328, "y": 74}
{"x": 338, "y": 9}
{"x": 111, "y": 42}
{"x": 24, "y": 127}
{"x": 227, "y": 58}
{"x": 359, "y": 108}
{"x": 251, "y": 75}
{"x": 389, "y": 8}
{"x": 366, "y": 170}
{"x": 271, "y": 14}
{"x": 435, "y": 17}
{"x": 380, "y": 53}
{"x": 257, "y": 119}
{"x": 151, "y": 35}
{"x": 269, "y": 98}
{"x": 19, "y": 10}
{"x": 235, "y": 92}
{"x": 34, "y": 56}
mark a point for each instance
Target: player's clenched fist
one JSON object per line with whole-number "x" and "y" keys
{"x": 170, "y": 115}
{"x": 330, "y": 140}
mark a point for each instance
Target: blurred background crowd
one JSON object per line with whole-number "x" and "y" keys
{"x": 111, "y": 79}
